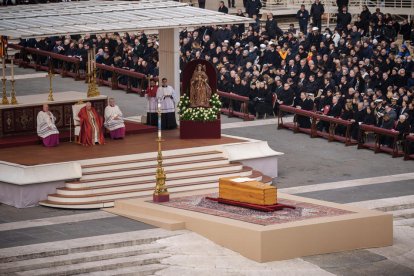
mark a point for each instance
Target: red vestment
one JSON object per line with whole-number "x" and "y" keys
{"x": 152, "y": 92}
{"x": 87, "y": 133}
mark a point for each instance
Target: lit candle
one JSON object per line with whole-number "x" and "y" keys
{"x": 159, "y": 118}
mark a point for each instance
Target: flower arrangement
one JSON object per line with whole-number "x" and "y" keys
{"x": 199, "y": 113}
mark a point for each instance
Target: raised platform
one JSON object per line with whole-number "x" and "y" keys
{"x": 76, "y": 177}
{"x": 64, "y": 136}
{"x": 314, "y": 227}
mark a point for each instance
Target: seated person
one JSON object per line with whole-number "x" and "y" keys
{"x": 402, "y": 127}
{"x": 305, "y": 102}
{"x": 46, "y": 127}
{"x": 91, "y": 126}
{"x": 114, "y": 121}
{"x": 387, "y": 123}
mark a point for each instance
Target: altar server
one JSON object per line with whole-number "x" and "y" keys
{"x": 91, "y": 126}
{"x": 114, "y": 121}
{"x": 151, "y": 95}
{"x": 167, "y": 97}
{"x": 46, "y": 127}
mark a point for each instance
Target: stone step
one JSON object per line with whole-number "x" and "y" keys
{"x": 404, "y": 222}
{"x": 403, "y": 213}
{"x": 142, "y": 270}
{"x": 153, "y": 164}
{"x": 171, "y": 180}
{"x": 143, "y": 185}
{"x": 150, "y": 161}
{"x": 77, "y": 258}
{"x": 409, "y": 205}
{"x": 171, "y": 173}
{"x": 104, "y": 265}
{"x": 102, "y": 162}
{"x": 152, "y": 168}
{"x": 89, "y": 244}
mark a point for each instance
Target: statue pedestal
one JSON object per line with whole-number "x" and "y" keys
{"x": 200, "y": 130}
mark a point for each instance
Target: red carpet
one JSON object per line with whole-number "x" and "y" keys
{"x": 33, "y": 139}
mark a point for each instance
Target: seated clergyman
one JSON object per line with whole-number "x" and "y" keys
{"x": 46, "y": 127}
{"x": 91, "y": 126}
{"x": 114, "y": 121}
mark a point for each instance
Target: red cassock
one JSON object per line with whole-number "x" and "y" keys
{"x": 87, "y": 133}
{"x": 152, "y": 92}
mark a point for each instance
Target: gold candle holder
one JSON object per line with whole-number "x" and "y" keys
{"x": 4, "y": 100}
{"x": 50, "y": 75}
{"x": 93, "y": 90}
{"x": 161, "y": 193}
{"x": 13, "y": 93}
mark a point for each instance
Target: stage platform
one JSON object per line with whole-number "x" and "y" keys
{"x": 314, "y": 227}
{"x": 133, "y": 144}
{"x": 78, "y": 177}
{"x": 64, "y": 136}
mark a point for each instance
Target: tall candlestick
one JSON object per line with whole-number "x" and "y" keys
{"x": 12, "y": 69}
{"x": 159, "y": 118}
{"x": 89, "y": 62}
{"x": 4, "y": 66}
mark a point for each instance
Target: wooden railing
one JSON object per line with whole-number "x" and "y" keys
{"x": 379, "y": 134}
{"x": 71, "y": 66}
{"x": 314, "y": 119}
{"x": 333, "y": 126}
{"x": 64, "y": 65}
{"x": 116, "y": 74}
{"x": 409, "y": 142}
{"x": 244, "y": 103}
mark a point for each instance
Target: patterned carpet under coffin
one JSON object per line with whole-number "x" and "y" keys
{"x": 303, "y": 211}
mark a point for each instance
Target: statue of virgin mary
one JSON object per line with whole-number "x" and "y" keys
{"x": 200, "y": 91}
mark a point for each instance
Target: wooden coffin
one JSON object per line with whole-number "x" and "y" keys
{"x": 250, "y": 191}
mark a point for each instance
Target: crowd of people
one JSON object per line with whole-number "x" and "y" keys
{"x": 361, "y": 70}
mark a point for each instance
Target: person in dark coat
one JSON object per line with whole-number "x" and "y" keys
{"x": 222, "y": 8}
{"x": 359, "y": 117}
{"x": 365, "y": 18}
{"x": 348, "y": 115}
{"x": 202, "y": 4}
{"x": 405, "y": 30}
{"x": 370, "y": 118}
{"x": 341, "y": 4}
{"x": 317, "y": 10}
{"x": 402, "y": 127}
{"x": 253, "y": 7}
{"x": 303, "y": 17}
{"x": 305, "y": 103}
{"x": 343, "y": 18}
{"x": 271, "y": 27}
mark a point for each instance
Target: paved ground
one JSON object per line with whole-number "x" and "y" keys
{"x": 310, "y": 167}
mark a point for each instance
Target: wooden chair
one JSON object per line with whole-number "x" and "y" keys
{"x": 76, "y": 121}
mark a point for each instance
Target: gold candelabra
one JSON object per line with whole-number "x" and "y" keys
{"x": 93, "y": 90}
{"x": 13, "y": 92}
{"x": 5, "y": 100}
{"x": 160, "y": 193}
{"x": 50, "y": 75}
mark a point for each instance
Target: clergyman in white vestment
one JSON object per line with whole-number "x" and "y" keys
{"x": 114, "y": 121}
{"x": 46, "y": 128}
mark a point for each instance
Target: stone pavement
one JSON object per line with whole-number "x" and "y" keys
{"x": 310, "y": 167}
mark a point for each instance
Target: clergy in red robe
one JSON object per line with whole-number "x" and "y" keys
{"x": 152, "y": 112}
{"x": 91, "y": 124}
